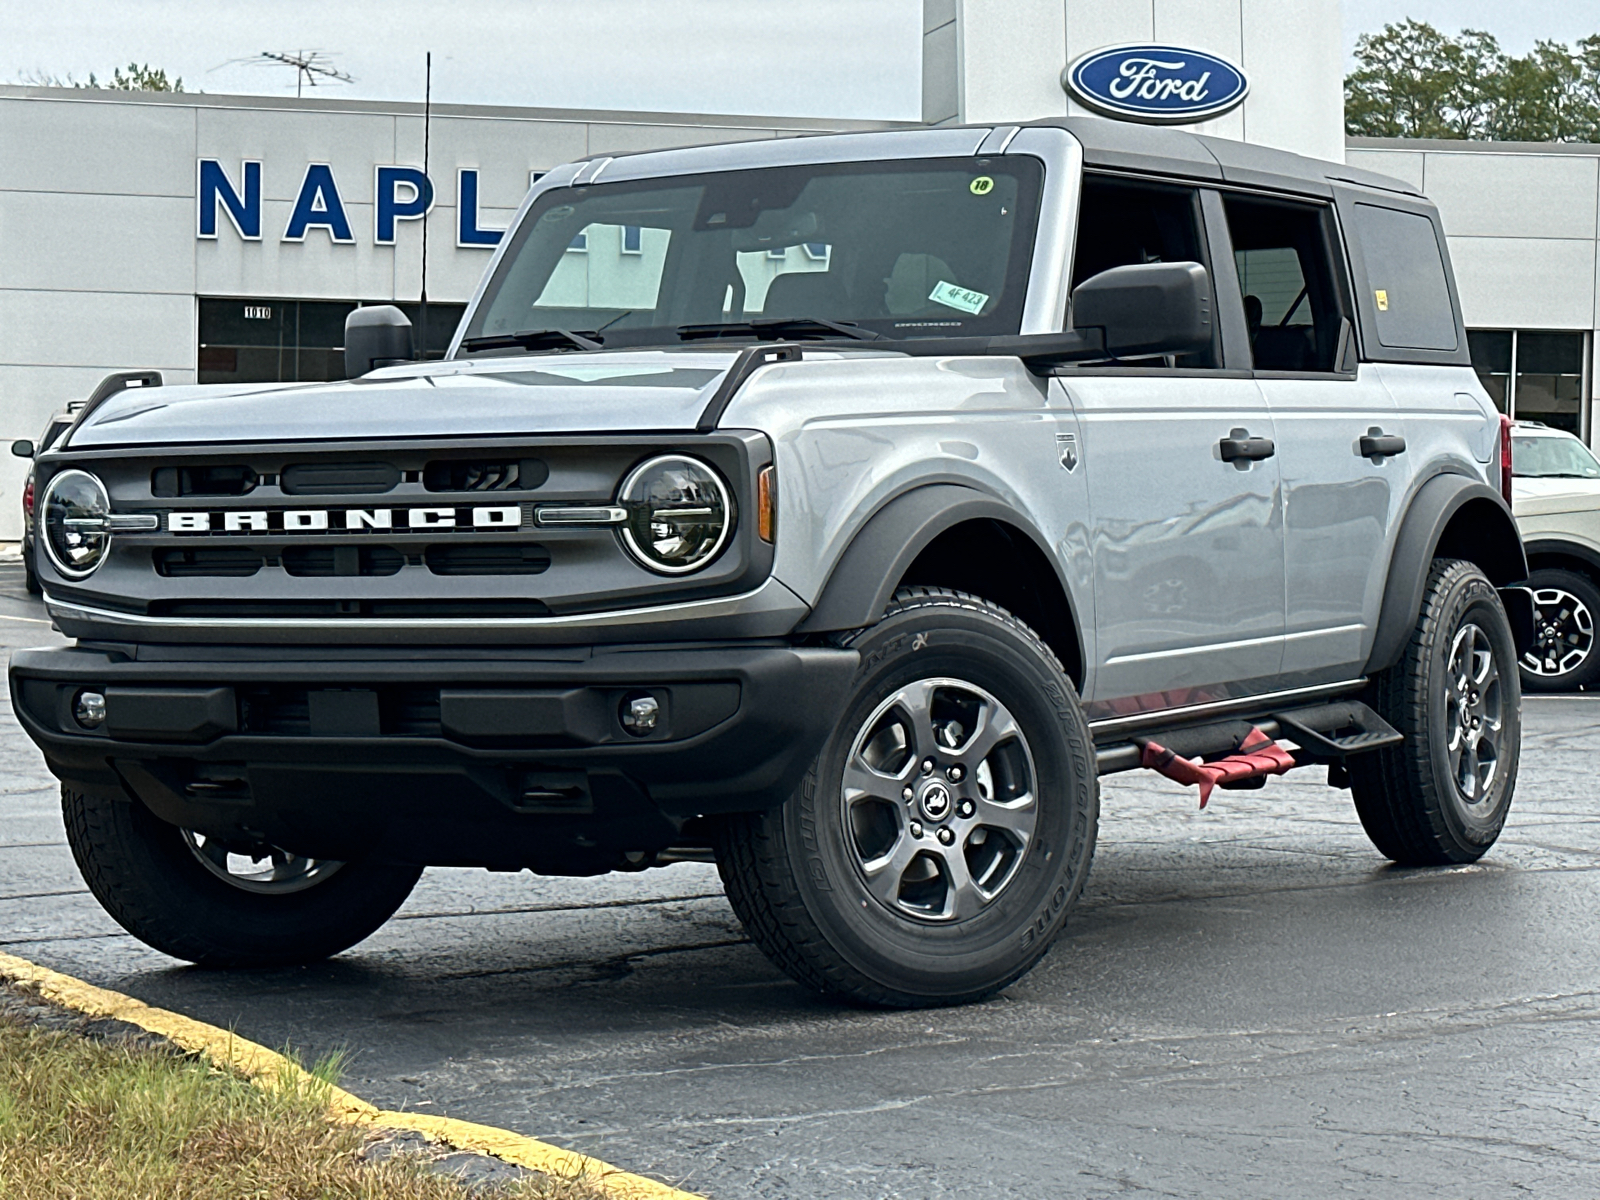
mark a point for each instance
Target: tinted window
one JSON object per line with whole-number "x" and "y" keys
{"x": 1122, "y": 222}
{"x": 1405, "y": 271}
{"x": 1293, "y": 298}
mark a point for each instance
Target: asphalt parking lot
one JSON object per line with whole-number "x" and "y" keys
{"x": 1247, "y": 1003}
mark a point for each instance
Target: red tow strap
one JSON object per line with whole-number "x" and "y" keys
{"x": 1257, "y": 755}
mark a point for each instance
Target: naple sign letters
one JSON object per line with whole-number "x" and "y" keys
{"x": 400, "y": 193}
{"x": 1157, "y": 85}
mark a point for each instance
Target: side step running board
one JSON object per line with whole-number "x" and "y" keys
{"x": 1324, "y": 732}
{"x": 1333, "y": 732}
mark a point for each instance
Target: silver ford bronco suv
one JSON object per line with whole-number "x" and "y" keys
{"x": 837, "y": 509}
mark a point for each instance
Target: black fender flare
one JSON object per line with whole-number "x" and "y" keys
{"x": 1550, "y": 545}
{"x": 1496, "y": 547}
{"x": 863, "y": 580}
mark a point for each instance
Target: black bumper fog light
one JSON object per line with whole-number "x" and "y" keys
{"x": 89, "y": 709}
{"x": 640, "y": 713}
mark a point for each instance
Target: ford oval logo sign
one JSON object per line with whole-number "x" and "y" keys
{"x": 1159, "y": 85}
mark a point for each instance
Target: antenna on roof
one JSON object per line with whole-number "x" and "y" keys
{"x": 310, "y": 66}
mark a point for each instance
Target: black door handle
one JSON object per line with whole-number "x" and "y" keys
{"x": 1239, "y": 445}
{"x": 1378, "y": 444}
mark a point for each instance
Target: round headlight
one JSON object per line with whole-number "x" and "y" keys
{"x": 679, "y": 514}
{"x": 75, "y": 516}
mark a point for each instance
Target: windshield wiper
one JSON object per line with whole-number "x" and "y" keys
{"x": 775, "y": 328}
{"x": 535, "y": 339}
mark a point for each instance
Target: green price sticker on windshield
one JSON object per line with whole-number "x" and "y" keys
{"x": 981, "y": 186}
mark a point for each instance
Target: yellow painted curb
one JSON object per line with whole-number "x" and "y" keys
{"x": 271, "y": 1070}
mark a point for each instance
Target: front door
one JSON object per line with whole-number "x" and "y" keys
{"x": 1180, "y": 455}
{"x": 1187, "y": 539}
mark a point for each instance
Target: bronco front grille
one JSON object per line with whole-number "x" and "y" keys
{"x": 395, "y": 530}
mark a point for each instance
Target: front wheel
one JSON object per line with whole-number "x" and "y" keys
{"x": 932, "y": 851}
{"x": 219, "y": 905}
{"x": 1442, "y": 795}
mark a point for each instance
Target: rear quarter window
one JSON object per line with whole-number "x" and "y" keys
{"x": 1405, "y": 272}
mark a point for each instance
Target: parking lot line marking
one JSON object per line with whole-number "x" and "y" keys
{"x": 29, "y": 620}
{"x": 270, "y": 1070}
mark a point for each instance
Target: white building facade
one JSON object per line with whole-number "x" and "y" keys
{"x": 218, "y": 238}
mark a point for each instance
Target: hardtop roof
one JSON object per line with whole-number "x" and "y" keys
{"x": 1151, "y": 149}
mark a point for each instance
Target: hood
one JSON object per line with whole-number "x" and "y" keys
{"x": 1542, "y": 497}
{"x": 595, "y": 392}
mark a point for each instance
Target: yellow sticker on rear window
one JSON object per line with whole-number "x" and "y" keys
{"x": 959, "y": 298}
{"x": 981, "y": 186}
{"x": 1382, "y": 297}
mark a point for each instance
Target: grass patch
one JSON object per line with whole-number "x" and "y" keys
{"x": 124, "y": 1120}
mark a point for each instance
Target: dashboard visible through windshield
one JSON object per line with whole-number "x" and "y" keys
{"x": 897, "y": 249}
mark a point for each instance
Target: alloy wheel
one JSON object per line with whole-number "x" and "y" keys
{"x": 262, "y": 869}
{"x": 1563, "y": 634}
{"x": 1475, "y": 717}
{"x": 940, "y": 800}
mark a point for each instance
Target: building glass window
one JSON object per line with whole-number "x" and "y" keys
{"x": 1491, "y": 358}
{"x": 293, "y": 341}
{"x": 1534, "y": 375}
{"x": 1550, "y": 379}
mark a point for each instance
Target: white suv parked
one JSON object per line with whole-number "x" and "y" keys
{"x": 1556, "y": 498}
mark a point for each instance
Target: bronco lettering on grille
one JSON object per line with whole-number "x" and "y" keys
{"x": 342, "y": 520}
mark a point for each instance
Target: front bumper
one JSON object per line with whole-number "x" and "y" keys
{"x": 513, "y": 757}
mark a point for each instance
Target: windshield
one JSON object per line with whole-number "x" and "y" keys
{"x": 1551, "y": 458}
{"x": 931, "y": 247}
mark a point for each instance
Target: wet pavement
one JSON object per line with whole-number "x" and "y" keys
{"x": 1248, "y": 1002}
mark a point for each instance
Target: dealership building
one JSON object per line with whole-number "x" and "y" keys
{"x": 224, "y": 239}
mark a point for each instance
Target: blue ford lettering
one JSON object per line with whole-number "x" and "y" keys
{"x": 1159, "y": 85}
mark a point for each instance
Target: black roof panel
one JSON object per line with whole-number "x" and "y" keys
{"x": 1120, "y": 145}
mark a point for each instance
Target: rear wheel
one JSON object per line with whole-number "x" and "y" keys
{"x": 1442, "y": 795}
{"x": 223, "y": 905}
{"x": 932, "y": 851}
{"x": 1565, "y": 655}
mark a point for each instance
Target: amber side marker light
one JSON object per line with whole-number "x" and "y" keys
{"x": 767, "y": 503}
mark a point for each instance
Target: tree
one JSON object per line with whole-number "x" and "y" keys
{"x": 138, "y": 77}
{"x": 1413, "y": 81}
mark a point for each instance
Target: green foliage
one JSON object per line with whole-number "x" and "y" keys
{"x": 136, "y": 77}
{"x": 139, "y": 77}
{"x": 1414, "y": 82}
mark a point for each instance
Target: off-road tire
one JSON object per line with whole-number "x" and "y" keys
{"x": 1407, "y": 799}
{"x": 146, "y": 877}
{"x": 1586, "y": 673}
{"x": 789, "y": 872}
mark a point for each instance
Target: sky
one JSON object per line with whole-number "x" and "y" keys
{"x": 817, "y": 58}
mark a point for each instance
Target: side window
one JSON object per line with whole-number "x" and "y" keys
{"x": 1405, "y": 270}
{"x": 1123, "y": 222}
{"x": 1293, "y": 295}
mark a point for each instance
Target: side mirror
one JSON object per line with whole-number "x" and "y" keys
{"x": 1147, "y": 309}
{"x": 22, "y": 448}
{"x": 378, "y": 335}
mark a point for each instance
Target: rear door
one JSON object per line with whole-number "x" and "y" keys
{"x": 1187, "y": 546}
{"x": 1341, "y": 446}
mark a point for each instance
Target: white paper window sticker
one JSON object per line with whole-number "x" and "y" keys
{"x": 959, "y": 298}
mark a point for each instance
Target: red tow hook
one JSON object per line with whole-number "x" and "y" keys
{"x": 1257, "y": 755}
